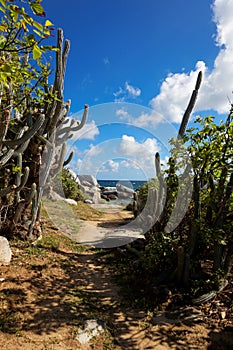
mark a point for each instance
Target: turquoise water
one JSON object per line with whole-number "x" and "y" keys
{"x": 134, "y": 184}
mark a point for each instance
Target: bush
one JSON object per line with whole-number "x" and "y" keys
{"x": 69, "y": 186}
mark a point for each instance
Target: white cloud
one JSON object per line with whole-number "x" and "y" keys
{"x": 110, "y": 166}
{"x": 130, "y": 147}
{"x": 138, "y": 155}
{"x": 133, "y": 91}
{"x": 126, "y": 92}
{"x": 123, "y": 114}
{"x": 146, "y": 119}
{"x": 89, "y": 131}
{"x": 106, "y": 60}
{"x": 129, "y": 164}
{"x": 217, "y": 84}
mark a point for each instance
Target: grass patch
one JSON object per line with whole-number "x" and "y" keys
{"x": 86, "y": 212}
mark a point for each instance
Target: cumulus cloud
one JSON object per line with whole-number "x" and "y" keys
{"x": 145, "y": 119}
{"x": 89, "y": 131}
{"x": 129, "y": 146}
{"x": 139, "y": 155}
{"x": 110, "y": 166}
{"x": 217, "y": 84}
{"x": 126, "y": 92}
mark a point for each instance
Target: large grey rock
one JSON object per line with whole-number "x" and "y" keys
{"x": 89, "y": 187}
{"x": 5, "y": 251}
{"x": 124, "y": 192}
{"x": 88, "y": 178}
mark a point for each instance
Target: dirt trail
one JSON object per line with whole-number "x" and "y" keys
{"x": 111, "y": 230}
{"x": 47, "y": 293}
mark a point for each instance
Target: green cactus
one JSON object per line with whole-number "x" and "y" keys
{"x": 29, "y": 134}
{"x": 190, "y": 107}
{"x": 18, "y": 176}
{"x": 68, "y": 160}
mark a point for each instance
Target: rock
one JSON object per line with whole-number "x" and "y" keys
{"x": 5, "y": 251}
{"x": 91, "y": 329}
{"x": 70, "y": 201}
{"x": 88, "y": 178}
{"x": 89, "y": 187}
{"x": 56, "y": 197}
{"x": 88, "y": 201}
{"x": 105, "y": 197}
{"x": 124, "y": 192}
{"x": 112, "y": 196}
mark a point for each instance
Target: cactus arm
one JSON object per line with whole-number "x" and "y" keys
{"x": 61, "y": 59}
{"x": 190, "y": 107}
{"x": 21, "y": 206}
{"x": 83, "y": 121}
{"x": 24, "y": 179}
{"x": 4, "y": 121}
{"x": 68, "y": 160}
{"x": 29, "y": 134}
{"x": 18, "y": 176}
{"x": 10, "y": 152}
{"x": 10, "y": 189}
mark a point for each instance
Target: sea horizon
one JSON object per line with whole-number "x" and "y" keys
{"x": 134, "y": 184}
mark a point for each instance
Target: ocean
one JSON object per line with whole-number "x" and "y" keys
{"x": 133, "y": 184}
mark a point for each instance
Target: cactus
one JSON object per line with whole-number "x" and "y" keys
{"x": 28, "y": 135}
{"x": 190, "y": 107}
{"x": 33, "y": 132}
{"x": 11, "y": 151}
{"x": 18, "y": 177}
{"x": 68, "y": 160}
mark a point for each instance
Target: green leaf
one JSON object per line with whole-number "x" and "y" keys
{"x": 37, "y": 9}
{"x": 16, "y": 169}
{"x": 38, "y": 26}
{"x": 36, "y": 52}
{"x": 3, "y": 2}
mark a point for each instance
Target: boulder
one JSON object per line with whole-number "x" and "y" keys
{"x": 88, "y": 178}
{"x": 89, "y": 187}
{"x": 5, "y": 251}
{"x": 124, "y": 192}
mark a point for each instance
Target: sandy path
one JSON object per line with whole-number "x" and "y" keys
{"x": 113, "y": 229}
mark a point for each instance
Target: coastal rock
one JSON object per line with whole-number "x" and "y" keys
{"x": 5, "y": 251}
{"x": 90, "y": 188}
{"x": 88, "y": 179}
{"x": 124, "y": 192}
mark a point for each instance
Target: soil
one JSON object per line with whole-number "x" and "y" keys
{"x": 50, "y": 289}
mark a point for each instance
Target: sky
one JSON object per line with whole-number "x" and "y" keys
{"x": 135, "y": 63}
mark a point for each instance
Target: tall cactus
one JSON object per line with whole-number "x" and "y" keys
{"x": 26, "y": 139}
{"x": 190, "y": 106}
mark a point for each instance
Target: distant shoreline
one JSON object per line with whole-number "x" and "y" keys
{"x": 134, "y": 184}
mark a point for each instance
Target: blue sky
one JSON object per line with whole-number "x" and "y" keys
{"x": 135, "y": 64}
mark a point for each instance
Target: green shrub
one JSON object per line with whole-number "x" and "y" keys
{"x": 64, "y": 184}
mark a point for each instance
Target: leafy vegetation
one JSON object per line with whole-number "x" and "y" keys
{"x": 190, "y": 242}
{"x": 69, "y": 186}
{"x": 33, "y": 114}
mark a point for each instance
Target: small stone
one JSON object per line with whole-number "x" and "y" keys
{"x": 5, "y": 251}
{"x": 223, "y": 315}
{"x": 91, "y": 329}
